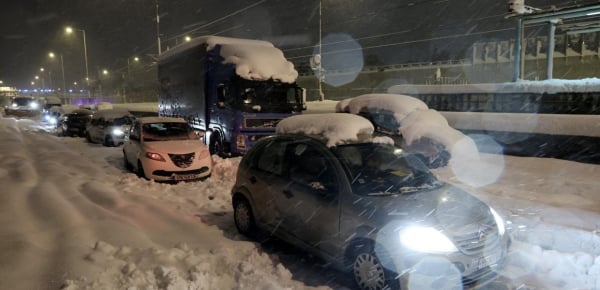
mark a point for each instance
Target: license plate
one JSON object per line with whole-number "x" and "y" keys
{"x": 488, "y": 260}
{"x": 185, "y": 177}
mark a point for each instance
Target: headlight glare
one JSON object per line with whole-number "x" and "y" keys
{"x": 499, "y": 222}
{"x": 426, "y": 240}
{"x": 118, "y": 132}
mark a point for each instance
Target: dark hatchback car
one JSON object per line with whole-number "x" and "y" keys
{"x": 74, "y": 123}
{"x": 369, "y": 209}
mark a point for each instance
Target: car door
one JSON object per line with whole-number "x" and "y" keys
{"x": 132, "y": 146}
{"x": 310, "y": 200}
{"x": 265, "y": 180}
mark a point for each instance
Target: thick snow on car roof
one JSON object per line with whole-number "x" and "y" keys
{"x": 254, "y": 59}
{"x": 401, "y": 105}
{"x": 334, "y": 128}
{"x": 112, "y": 113}
{"x": 415, "y": 120}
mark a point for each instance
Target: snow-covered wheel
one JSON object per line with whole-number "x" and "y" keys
{"x": 368, "y": 271}
{"x": 243, "y": 217}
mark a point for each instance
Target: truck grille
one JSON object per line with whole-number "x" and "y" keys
{"x": 262, "y": 123}
{"x": 182, "y": 160}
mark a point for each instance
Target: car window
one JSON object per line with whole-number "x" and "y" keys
{"x": 311, "y": 168}
{"x": 134, "y": 134}
{"x": 271, "y": 160}
{"x": 164, "y": 131}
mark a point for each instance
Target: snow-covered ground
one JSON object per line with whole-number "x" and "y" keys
{"x": 72, "y": 217}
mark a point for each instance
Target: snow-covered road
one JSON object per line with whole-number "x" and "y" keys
{"x": 72, "y": 217}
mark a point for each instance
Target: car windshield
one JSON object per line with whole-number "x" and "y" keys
{"x": 120, "y": 121}
{"x": 166, "y": 131}
{"x": 22, "y": 101}
{"x": 382, "y": 169}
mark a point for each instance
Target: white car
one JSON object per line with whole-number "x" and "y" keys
{"x": 109, "y": 127}
{"x": 166, "y": 149}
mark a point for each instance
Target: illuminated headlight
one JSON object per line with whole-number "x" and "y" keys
{"x": 426, "y": 240}
{"x": 154, "y": 156}
{"x": 14, "y": 105}
{"x": 499, "y": 222}
{"x": 52, "y": 120}
{"x": 33, "y": 105}
{"x": 47, "y": 117}
{"x": 118, "y": 132}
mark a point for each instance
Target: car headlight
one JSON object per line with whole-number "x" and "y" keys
{"x": 13, "y": 105}
{"x": 426, "y": 240}
{"x": 33, "y": 105}
{"x": 154, "y": 156}
{"x": 52, "y": 120}
{"x": 499, "y": 222}
{"x": 118, "y": 132}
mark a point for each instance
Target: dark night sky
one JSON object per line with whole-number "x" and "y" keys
{"x": 391, "y": 31}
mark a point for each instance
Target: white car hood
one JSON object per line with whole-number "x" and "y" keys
{"x": 175, "y": 146}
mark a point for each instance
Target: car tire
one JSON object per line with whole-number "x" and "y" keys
{"x": 368, "y": 270}
{"x": 244, "y": 217}
{"x": 140, "y": 170}
{"x": 126, "y": 162}
{"x": 215, "y": 145}
{"x": 108, "y": 141}
{"x": 88, "y": 137}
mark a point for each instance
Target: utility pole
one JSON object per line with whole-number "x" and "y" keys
{"x": 158, "y": 28}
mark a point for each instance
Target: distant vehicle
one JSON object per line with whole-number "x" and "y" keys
{"x": 235, "y": 90}
{"x": 109, "y": 127}
{"x": 51, "y": 110}
{"x": 23, "y": 106}
{"x": 166, "y": 149}
{"x": 365, "y": 207}
{"x": 74, "y": 123}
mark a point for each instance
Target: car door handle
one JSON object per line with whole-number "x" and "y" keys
{"x": 253, "y": 180}
{"x": 288, "y": 193}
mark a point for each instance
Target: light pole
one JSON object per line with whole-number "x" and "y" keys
{"x": 69, "y": 30}
{"x": 62, "y": 69}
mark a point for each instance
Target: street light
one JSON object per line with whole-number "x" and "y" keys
{"x": 62, "y": 69}
{"x": 69, "y": 30}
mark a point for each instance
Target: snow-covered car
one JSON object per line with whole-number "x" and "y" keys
{"x": 74, "y": 122}
{"x": 408, "y": 121}
{"x": 166, "y": 149}
{"x": 109, "y": 127}
{"x": 324, "y": 184}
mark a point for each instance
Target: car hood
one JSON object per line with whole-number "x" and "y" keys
{"x": 175, "y": 146}
{"x": 447, "y": 208}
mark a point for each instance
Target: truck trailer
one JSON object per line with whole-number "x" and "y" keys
{"x": 235, "y": 91}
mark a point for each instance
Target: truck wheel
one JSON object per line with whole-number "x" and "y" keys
{"x": 216, "y": 145}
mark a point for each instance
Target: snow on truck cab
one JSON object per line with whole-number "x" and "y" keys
{"x": 234, "y": 90}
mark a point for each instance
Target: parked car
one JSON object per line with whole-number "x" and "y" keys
{"x": 166, "y": 149}
{"x": 366, "y": 207}
{"x": 393, "y": 115}
{"x": 74, "y": 122}
{"x": 109, "y": 127}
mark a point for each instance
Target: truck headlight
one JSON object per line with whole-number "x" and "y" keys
{"x": 426, "y": 240}
{"x": 499, "y": 222}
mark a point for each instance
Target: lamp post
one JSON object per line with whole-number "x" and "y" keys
{"x": 69, "y": 30}
{"x": 62, "y": 69}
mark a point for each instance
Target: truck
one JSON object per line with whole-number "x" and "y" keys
{"x": 233, "y": 91}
